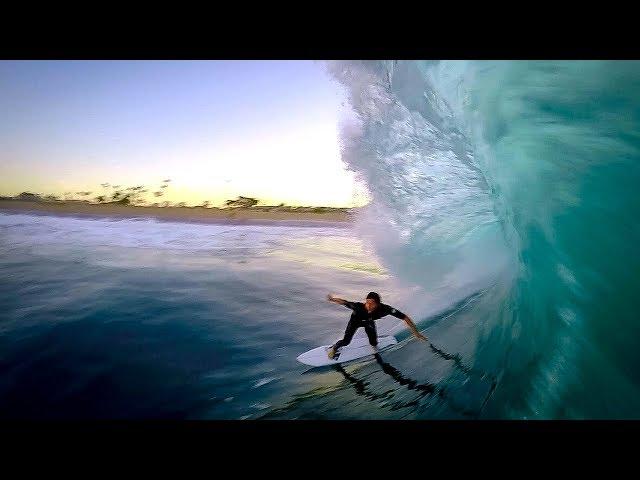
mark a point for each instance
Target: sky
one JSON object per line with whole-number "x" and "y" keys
{"x": 217, "y": 129}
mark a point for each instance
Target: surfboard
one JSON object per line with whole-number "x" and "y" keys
{"x": 358, "y": 348}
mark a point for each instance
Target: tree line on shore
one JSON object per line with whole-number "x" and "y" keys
{"x": 134, "y": 196}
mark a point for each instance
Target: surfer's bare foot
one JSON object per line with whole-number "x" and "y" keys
{"x": 331, "y": 353}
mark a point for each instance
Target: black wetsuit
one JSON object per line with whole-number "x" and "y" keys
{"x": 361, "y": 318}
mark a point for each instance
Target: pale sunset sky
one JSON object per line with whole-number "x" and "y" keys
{"x": 217, "y": 129}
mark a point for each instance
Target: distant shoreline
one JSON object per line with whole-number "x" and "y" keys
{"x": 277, "y": 216}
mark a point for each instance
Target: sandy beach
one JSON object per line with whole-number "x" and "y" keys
{"x": 239, "y": 216}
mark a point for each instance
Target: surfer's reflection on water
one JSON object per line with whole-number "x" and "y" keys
{"x": 361, "y": 386}
{"x": 361, "y": 389}
{"x": 468, "y": 371}
{"x": 425, "y": 389}
{"x": 459, "y": 365}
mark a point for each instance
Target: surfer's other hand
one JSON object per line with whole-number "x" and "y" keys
{"x": 420, "y": 336}
{"x": 330, "y": 297}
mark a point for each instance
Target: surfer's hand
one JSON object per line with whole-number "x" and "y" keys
{"x": 330, "y": 297}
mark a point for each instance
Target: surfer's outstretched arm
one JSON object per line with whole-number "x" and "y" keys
{"x": 413, "y": 328}
{"x": 340, "y": 301}
{"x": 388, "y": 310}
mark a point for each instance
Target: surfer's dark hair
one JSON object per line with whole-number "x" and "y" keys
{"x": 374, "y": 296}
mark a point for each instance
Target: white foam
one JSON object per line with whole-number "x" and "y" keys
{"x": 33, "y": 230}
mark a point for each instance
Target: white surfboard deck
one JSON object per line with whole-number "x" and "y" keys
{"x": 358, "y": 348}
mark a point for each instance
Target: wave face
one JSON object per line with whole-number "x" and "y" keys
{"x": 517, "y": 179}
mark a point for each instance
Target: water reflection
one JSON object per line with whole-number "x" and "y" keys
{"x": 362, "y": 387}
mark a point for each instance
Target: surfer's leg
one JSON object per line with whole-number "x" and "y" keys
{"x": 352, "y": 326}
{"x": 348, "y": 335}
{"x": 370, "y": 329}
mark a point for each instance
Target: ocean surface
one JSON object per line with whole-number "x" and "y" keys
{"x": 144, "y": 319}
{"x": 503, "y": 219}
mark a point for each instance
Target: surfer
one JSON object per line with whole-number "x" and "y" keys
{"x": 364, "y": 315}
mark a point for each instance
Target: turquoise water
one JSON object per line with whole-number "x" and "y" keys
{"x": 526, "y": 172}
{"x": 503, "y": 220}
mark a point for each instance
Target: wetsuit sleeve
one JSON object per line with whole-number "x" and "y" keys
{"x": 388, "y": 310}
{"x": 351, "y": 305}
